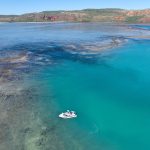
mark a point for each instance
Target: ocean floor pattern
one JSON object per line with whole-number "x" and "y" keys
{"x": 99, "y": 70}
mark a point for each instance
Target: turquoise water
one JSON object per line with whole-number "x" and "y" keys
{"x": 108, "y": 88}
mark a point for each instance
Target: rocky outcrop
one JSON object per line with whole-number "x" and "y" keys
{"x": 145, "y": 20}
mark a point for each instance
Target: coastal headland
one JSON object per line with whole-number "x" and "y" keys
{"x": 85, "y": 15}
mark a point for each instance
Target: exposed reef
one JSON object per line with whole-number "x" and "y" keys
{"x": 105, "y": 43}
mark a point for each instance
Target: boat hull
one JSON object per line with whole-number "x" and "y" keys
{"x": 66, "y": 117}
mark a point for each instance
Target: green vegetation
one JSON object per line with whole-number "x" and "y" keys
{"x": 133, "y": 19}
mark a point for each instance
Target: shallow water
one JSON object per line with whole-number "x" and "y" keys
{"x": 92, "y": 68}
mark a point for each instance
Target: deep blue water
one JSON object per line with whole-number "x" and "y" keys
{"x": 94, "y": 69}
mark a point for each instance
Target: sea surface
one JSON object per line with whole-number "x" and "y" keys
{"x": 99, "y": 70}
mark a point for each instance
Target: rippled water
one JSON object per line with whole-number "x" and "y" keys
{"x": 99, "y": 70}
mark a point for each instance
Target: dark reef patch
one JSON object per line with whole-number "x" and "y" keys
{"x": 51, "y": 52}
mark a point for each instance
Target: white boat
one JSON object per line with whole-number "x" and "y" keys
{"x": 68, "y": 115}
